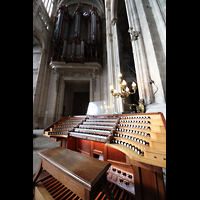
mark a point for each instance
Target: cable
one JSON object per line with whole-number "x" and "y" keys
{"x": 154, "y": 84}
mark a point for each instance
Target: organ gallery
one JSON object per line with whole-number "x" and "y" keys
{"x": 99, "y": 92}
{"x": 77, "y": 37}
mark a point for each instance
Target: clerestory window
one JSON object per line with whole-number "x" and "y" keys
{"x": 48, "y": 4}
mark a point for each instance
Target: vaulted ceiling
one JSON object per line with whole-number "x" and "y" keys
{"x": 99, "y": 4}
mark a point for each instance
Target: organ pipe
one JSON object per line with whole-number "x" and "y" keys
{"x": 98, "y": 32}
{"x": 64, "y": 47}
{"x": 82, "y": 48}
{"x": 73, "y": 48}
{"x": 77, "y": 26}
{"x": 77, "y": 37}
{"x": 65, "y": 30}
{"x": 88, "y": 31}
{"x": 93, "y": 28}
{"x": 58, "y": 27}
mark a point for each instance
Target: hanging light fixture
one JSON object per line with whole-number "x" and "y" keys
{"x": 125, "y": 93}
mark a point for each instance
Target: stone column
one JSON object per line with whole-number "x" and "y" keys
{"x": 43, "y": 69}
{"x": 160, "y": 20}
{"x": 152, "y": 46}
{"x": 52, "y": 96}
{"x": 60, "y": 85}
{"x": 113, "y": 63}
{"x": 109, "y": 52}
{"x": 38, "y": 91}
{"x": 116, "y": 64}
{"x": 141, "y": 65}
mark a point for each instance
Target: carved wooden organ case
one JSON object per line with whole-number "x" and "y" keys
{"x": 77, "y": 37}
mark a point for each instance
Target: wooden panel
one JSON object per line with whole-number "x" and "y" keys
{"x": 160, "y": 183}
{"x": 71, "y": 143}
{"x": 134, "y": 156}
{"x": 84, "y": 146}
{"x": 156, "y": 156}
{"x": 98, "y": 147}
{"x": 114, "y": 154}
{"x": 137, "y": 182}
{"x": 149, "y": 185}
{"x": 63, "y": 143}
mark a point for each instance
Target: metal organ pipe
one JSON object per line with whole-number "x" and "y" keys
{"x": 73, "y": 48}
{"x": 64, "y": 47}
{"x": 78, "y": 32}
{"x": 93, "y": 28}
{"x": 58, "y": 27}
{"x": 77, "y": 25}
{"x": 82, "y": 48}
{"x": 89, "y": 31}
{"x": 65, "y": 31}
{"x": 65, "y": 39}
{"x": 98, "y": 32}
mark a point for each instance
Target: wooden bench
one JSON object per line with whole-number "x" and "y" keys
{"x": 83, "y": 175}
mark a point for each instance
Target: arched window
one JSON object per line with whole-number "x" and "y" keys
{"x": 48, "y": 4}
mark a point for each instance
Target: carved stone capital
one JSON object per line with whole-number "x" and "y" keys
{"x": 134, "y": 34}
{"x": 114, "y": 21}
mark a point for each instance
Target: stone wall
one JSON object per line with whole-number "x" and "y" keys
{"x": 42, "y": 32}
{"x": 147, "y": 29}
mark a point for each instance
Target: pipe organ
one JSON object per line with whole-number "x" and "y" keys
{"x": 77, "y": 37}
{"x": 133, "y": 144}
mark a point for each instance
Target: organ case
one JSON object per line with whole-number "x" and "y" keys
{"x": 77, "y": 37}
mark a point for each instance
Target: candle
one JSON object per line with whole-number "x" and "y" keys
{"x": 123, "y": 82}
{"x": 133, "y": 84}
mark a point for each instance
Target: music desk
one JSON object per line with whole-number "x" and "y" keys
{"x": 83, "y": 175}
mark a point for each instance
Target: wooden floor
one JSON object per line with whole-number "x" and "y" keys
{"x": 60, "y": 192}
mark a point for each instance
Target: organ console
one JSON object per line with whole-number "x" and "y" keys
{"x": 134, "y": 144}
{"x": 99, "y": 130}
{"x": 62, "y": 127}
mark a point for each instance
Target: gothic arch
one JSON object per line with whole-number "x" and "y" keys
{"x": 98, "y": 4}
{"x": 38, "y": 35}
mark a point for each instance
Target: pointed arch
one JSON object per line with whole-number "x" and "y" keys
{"x": 98, "y": 4}
{"x": 38, "y": 35}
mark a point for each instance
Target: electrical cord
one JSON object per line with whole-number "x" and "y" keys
{"x": 154, "y": 84}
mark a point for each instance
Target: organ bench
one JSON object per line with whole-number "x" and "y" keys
{"x": 134, "y": 145}
{"x": 83, "y": 175}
